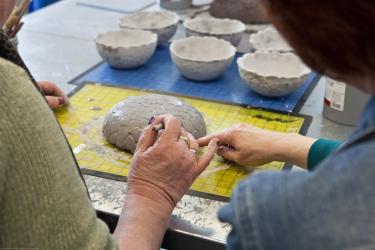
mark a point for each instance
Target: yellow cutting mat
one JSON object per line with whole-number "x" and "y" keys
{"x": 82, "y": 123}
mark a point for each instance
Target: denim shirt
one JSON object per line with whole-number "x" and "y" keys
{"x": 332, "y": 207}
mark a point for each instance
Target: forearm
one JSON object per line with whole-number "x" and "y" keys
{"x": 293, "y": 148}
{"x": 143, "y": 223}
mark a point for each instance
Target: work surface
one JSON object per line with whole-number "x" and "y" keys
{"x": 82, "y": 124}
{"x": 57, "y": 45}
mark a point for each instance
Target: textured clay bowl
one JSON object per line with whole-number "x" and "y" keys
{"x": 269, "y": 40}
{"x": 202, "y": 58}
{"x": 272, "y": 74}
{"x": 162, "y": 23}
{"x": 228, "y": 29}
{"x": 126, "y": 49}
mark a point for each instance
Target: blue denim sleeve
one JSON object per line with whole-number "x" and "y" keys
{"x": 242, "y": 233}
{"x": 250, "y": 226}
{"x": 329, "y": 208}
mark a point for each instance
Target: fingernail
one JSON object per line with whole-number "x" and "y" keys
{"x": 151, "y": 120}
{"x": 222, "y": 149}
{"x": 61, "y": 100}
{"x": 217, "y": 141}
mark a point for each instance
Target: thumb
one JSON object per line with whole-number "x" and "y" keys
{"x": 228, "y": 153}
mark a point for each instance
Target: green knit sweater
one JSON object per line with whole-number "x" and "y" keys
{"x": 43, "y": 201}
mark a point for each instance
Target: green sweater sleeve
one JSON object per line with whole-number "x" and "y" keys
{"x": 43, "y": 202}
{"x": 320, "y": 150}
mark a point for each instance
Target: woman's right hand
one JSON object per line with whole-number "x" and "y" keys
{"x": 164, "y": 165}
{"x": 250, "y": 146}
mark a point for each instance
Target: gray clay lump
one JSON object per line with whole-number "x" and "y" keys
{"x": 124, "y": 123}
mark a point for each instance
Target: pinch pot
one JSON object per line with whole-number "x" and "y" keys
{"x": 162, "y": 23}
{"x": 202, "y": 58}
{"x": 228, "y": 29}
{"x": 125, "y": 49}
{"x": 269, "y": 40}
{"x": 272, "y": 74}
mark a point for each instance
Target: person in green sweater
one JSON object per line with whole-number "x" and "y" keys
{"x": 43, "y": 199}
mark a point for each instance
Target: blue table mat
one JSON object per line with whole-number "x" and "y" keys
{"x": 160, "y": 74}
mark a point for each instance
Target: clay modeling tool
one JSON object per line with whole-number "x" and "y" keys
{"x": 84, "y": 126}
{"x": 158, "y": 127}
{"x": 13, "y": 24}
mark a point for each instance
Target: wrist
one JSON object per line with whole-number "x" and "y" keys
{"x": 157, "y": 207}
{"x": 293, "y": 148}
{"x": 152, "y": 192}
{"x": 142, "y": 223}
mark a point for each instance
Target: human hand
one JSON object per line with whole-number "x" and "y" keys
{"x": 251, "y": 146}
{"x": 53, "y": 94}
{"x": 164, "y": 166}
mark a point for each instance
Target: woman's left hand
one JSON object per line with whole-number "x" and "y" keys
{"x": 54, "y": 95}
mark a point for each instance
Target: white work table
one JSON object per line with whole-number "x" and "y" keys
{"x": 57, "y": 44}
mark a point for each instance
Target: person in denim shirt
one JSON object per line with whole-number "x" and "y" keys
{"x": 333, "y": 205}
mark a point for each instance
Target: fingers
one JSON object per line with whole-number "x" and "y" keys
{"x": 55, "y": 102}
{"x": 228, "y": 153}
{"x": 207, "y": 157}
{"x": 172, "y": 127}
{"x": 193, "y": 144}
{"x": 147, "y": 138}
{"x": 49, "y": 88}
{"x": 225, "y": 137}
{"x": 54, "y": 95}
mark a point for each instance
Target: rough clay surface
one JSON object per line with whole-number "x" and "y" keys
{"x": 124, "y": 123}
{"x": 247, "y": 11}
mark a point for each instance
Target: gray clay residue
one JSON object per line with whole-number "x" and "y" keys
{"x": 123, "y": 125}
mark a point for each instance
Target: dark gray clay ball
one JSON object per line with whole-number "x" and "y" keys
{"x": 124, "y": 123}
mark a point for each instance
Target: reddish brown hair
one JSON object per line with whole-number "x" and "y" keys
{"x": 334, "y": 37}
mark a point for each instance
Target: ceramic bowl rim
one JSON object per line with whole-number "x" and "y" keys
{"x": 153, "y": 39}
{"x": 188, "y": 22}
{"x": 174, "y": 20}
{"x": 219, "y": 59}
{"x": 241, "y": 64}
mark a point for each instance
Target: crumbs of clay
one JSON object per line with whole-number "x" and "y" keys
{"x": 124, "y": 123}
{"x": 96, "y": 108}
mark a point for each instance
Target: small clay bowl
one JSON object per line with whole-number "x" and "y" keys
{"x": 202, "y": 58}
{"x": 162, "y": 23}
{"x": 228, "y": 29}
{"x": 126, "y": 49}
{"x": 269, "y": 40}
{"x": 273, "y": 74}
